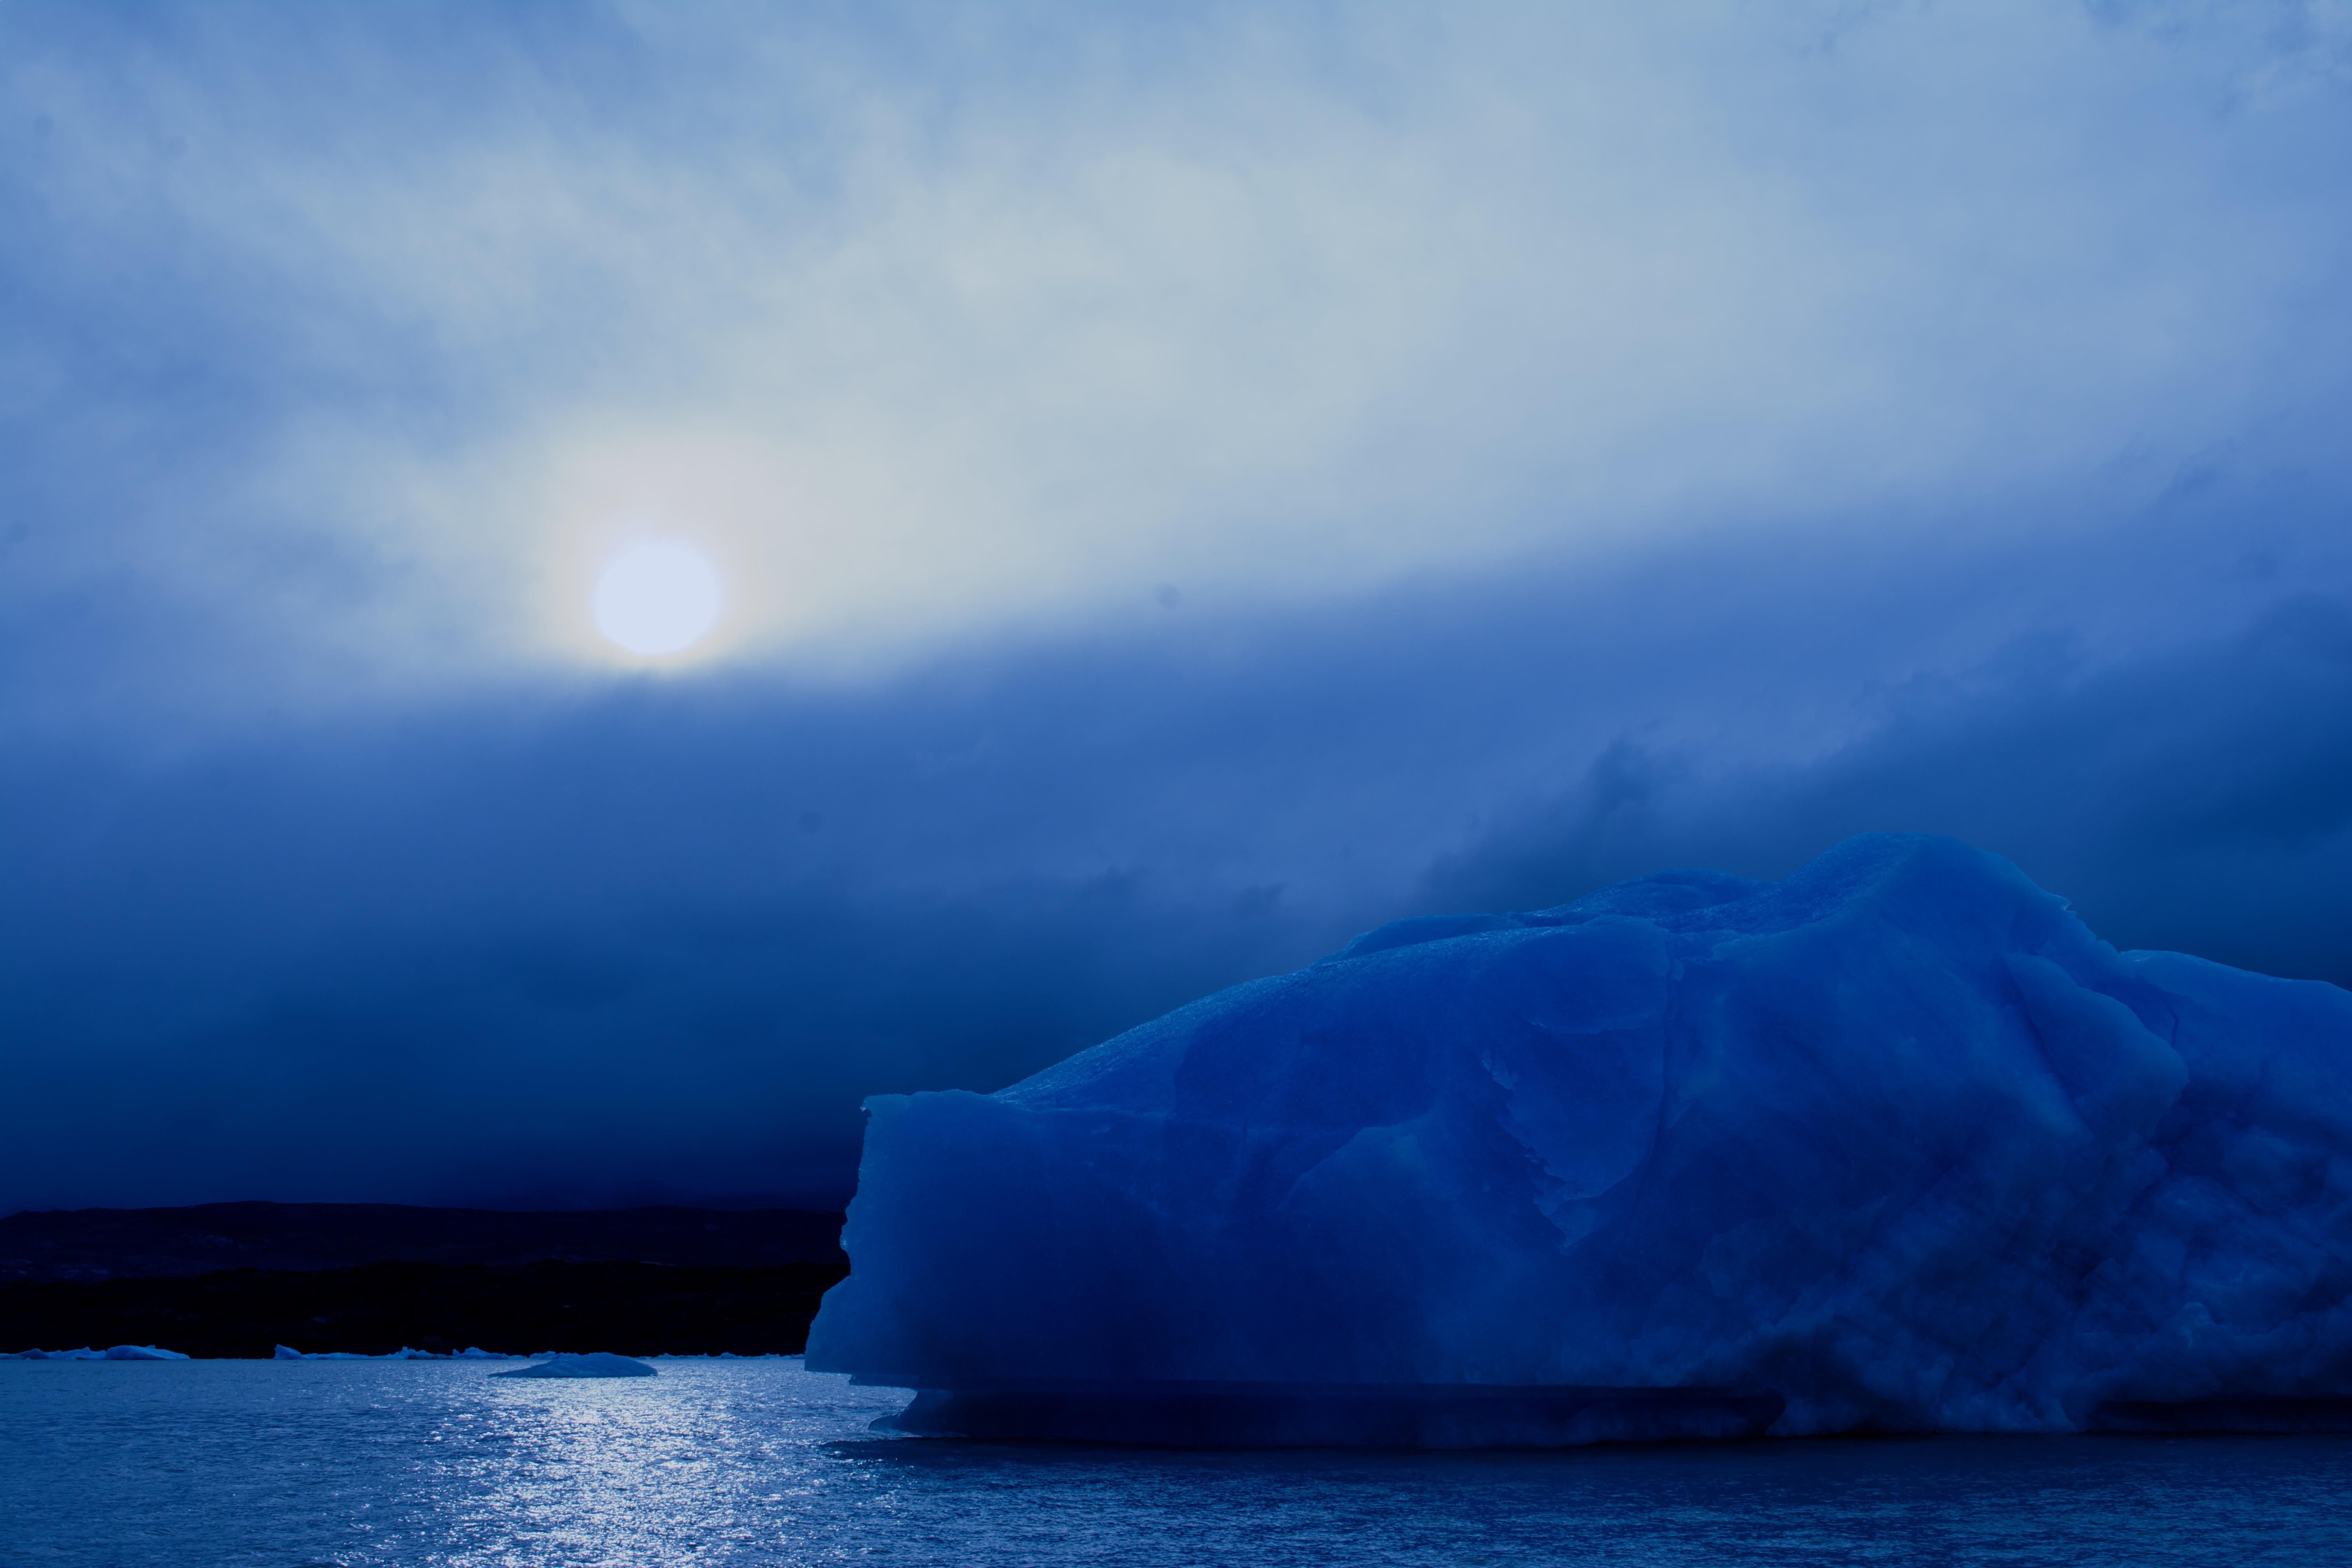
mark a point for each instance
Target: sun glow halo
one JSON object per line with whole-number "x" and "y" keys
{"x": 657, "y": 597}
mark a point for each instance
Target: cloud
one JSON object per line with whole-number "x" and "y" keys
{"x": 2200, "y": 800}
{"x": 364, "y": 336}
{"x": 661, "y": 940}
{"x": 1195, "y": 485}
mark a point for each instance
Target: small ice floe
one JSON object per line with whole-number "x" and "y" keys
{"x": 476, "y": 1352}
{"x": 596, "y": 1363}
{"x": 140, "y": 1353}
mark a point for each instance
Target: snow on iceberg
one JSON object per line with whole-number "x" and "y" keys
{"x": 1895, "y": 1145}
{"x": 595, "y": 1363}
{"x": 142, "y": 1352}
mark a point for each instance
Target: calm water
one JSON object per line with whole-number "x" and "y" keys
{"x": 192, "y": 1462}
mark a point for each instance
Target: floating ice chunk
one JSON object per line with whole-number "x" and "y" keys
{"x": 142, "y": 1352}
{"x": 596, "y": 1363}
{"x": 1897, "y": 1141}
{"x": 85, "y": 1353}
{"x": 287, "y": 1352}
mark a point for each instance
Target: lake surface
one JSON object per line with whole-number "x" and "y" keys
{"x": 195, "y": 1463}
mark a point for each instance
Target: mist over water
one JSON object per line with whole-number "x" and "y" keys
{"x": 362, "y": 1465}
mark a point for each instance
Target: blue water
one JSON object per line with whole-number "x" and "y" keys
{"x": 192, "y": 1463}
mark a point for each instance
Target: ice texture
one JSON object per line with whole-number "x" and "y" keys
{"x": 1897, "y": 1138}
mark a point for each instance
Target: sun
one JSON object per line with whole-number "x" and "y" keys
{"x": 657, "y": 597}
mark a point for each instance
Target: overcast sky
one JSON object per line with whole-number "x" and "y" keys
{"x": 1189, "y": 484}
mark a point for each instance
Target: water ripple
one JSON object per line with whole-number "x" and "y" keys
{"x": 361, "y": 1464}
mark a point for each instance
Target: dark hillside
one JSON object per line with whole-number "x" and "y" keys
{"x": 109, "y": 1244}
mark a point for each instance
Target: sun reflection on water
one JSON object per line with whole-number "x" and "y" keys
{"x": 359, "y": 1464}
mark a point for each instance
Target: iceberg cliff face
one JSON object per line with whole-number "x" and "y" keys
{"x": 1897, "y": 1138}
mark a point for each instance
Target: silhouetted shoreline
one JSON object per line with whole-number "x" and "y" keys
{"x": 202, "y": 1238}
{"x": 634, "y": 1309}
{"x": 239, "y": 1280}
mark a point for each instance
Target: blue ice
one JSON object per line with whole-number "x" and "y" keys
{"x": 1897, "y": 1143}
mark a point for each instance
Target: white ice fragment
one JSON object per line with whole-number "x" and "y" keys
{"x": 596, "y": 1363}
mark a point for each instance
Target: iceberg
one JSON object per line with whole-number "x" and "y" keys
{"x": 595, "y": 1363}
{"x": 1895, "y": 1145}
{"x": 142, "y": 1352}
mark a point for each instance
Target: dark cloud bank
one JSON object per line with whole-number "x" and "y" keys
{"x": 656, "y": 939}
